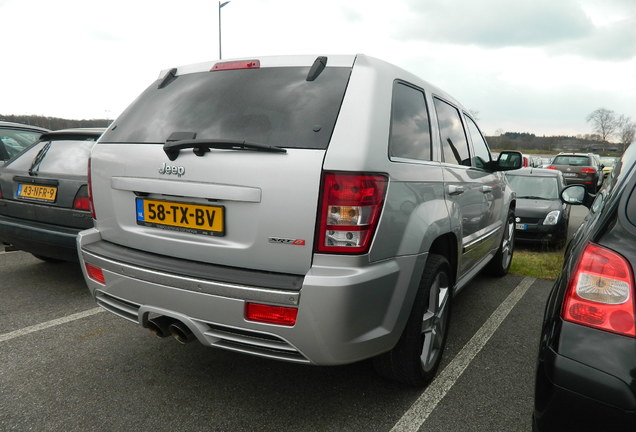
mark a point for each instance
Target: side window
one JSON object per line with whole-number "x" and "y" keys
{"x": 482, "y": 154}
{"x": 410, "y": 136}
{"x": 452, "y": 134}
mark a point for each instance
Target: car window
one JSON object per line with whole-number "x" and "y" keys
{"x": 68, "y": 157}
{"x": 482, "y": 154}
{"x": 452, "y": 134}
{"x": 13, "y": 141}
{"x": 410, "y": 136}
{"x": 572, "y": 160}
{"x": 534, "y": 186}
{"x": 273, "y": 106}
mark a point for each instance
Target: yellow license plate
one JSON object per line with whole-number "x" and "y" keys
{"x": 37, "y": 192}
{"x": 179, "y": 216}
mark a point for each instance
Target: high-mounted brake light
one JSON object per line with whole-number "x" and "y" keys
{"x": 233, "y": 65}
{"x": 90, "y": 191}
{"x": 349, "y": 212}
{"x": 95, "y": 273}
{"x": 600, "y": 292}
{"x": 269, "y": 314}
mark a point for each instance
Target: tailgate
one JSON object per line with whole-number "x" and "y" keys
{"x": 230, "y": 207}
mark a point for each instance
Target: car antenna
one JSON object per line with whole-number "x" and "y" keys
{"x": 317, "y": 68}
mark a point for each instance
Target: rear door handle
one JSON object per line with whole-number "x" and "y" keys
{"x": 455, "y": 190}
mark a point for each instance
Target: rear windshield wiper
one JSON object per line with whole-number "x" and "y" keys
{"x": 202, "y": 146}
{"x": 35, "y": 165}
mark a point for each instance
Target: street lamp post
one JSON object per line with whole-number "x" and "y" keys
{"x": 220, "y": 6}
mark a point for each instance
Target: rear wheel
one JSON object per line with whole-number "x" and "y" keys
{"x": 416, "y": 357}
{"x": 500, "y": 263}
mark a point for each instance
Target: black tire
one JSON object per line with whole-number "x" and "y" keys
{"x": 500, "y": 263}
{"x": 415, "y": 358}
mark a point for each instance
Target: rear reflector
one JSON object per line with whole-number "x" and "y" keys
{"x": 600, "y": 292}
{"x": 280, "y": 315}
{"x": 95, "y": 273}
{"x": 233, "y": 65}
{"x": 349, "y": 212}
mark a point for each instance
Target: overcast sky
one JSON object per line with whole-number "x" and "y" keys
{"x": 538, "y": 66}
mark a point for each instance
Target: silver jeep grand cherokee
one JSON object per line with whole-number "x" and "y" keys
{"x": 318, "y": 210}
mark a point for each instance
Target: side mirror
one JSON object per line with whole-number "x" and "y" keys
{"x": 508, "y": 161}
{"x": 577, "y": 195}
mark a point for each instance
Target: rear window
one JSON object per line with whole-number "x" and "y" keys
{"x": 273, "y": 106}
{"x": 68, "y": 157}
{"x": 572, "y": 160}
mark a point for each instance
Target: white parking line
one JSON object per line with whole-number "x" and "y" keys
{"x": 34, "y": 328}
{"x": 417, "y": 414}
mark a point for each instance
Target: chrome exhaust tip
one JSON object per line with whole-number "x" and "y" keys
{"x": 181, "y": 332}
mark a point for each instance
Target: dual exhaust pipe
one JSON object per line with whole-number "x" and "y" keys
{"x": 163, "y": 326}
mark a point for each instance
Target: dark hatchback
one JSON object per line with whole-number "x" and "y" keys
{"x": 586, "y": 369}
{"x": 540, "y": 215}
{"x": 15, "y": 137}
{"x": 44, "y": 194}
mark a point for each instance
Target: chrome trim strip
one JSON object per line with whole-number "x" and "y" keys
{"x": 478, "y": 240}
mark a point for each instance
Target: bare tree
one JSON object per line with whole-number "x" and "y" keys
{"x": 626, "y": 130}
{"x": 603, "y": 122}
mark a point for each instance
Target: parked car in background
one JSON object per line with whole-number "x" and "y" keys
{"x": 44, "y": 194}
{"x": 586, "y": 370}
{"x": 608, "y": 164}
{"x": 15, "y": 137}
{"x": 315, "y": 210}
{"x": 540, "y": 215}
{"x": 580, "y": 168}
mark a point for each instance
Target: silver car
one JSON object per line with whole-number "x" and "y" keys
{"x": 317, "y": 210}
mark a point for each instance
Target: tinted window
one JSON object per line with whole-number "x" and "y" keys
{"x": 452, "y": 135}
{"x": 572, "y": 160}
{"x": 482, "y": 154}
{"x": 410, "y": 129}
{"x": 12, "y": 141}
{"x": 56, "y": 157}
{"x": 274, "y": 106}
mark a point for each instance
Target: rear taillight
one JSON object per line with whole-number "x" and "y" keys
{"x": 0, "y": 193}
{"x": 95, "y": 273}
{"x": 600, "y": 293}
{"x": 90, "y": 191}
{"x": 81, "y": 201}
{"x": 349, "y": 212}
{"x": 280, "y": 315}
{"x": 551, "y": 167}
{"x": 588, "y": 170}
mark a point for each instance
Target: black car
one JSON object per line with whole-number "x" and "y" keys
{"x": 44, "y": 195}
{"x": 15, "y": 137}
{"x": 586, "y": 369}
{"x": 540, "y": 215}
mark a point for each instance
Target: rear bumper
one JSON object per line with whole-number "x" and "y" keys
{"x": 347, "y": 311}
{"x": 40, "y": 238}
{"x": 570, "y": 395}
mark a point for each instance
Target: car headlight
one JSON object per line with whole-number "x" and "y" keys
{"x": 552, "y": 218}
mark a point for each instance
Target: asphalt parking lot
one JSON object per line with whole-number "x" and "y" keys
{"x": 68, "y": 366}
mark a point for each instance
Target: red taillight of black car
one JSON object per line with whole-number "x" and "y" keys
{"x": 600, "y": 292}
{"x": 82, "y": 201}
{"x": 349, "y": 212}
